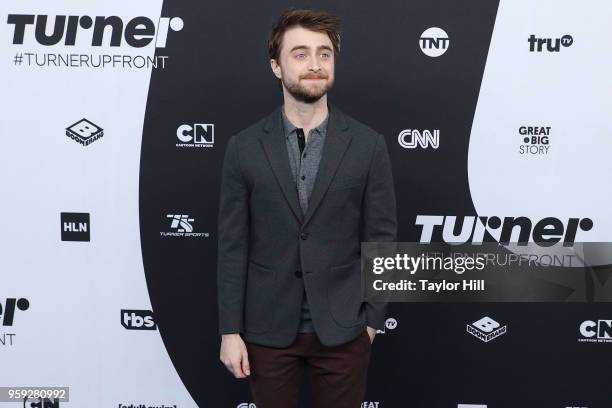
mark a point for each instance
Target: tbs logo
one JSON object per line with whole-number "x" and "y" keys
{"x": 537, "y": 44}
{"x": 198, "y": 135}
{"x": 486, "y": 329}
{"x": 138, "y": 320}
{"x": 434, "y": 42}
{"x": 7, "y": 313}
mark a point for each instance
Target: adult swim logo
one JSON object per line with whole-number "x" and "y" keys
{"x": 549, "y": 44}
{"x": 97, "y": 32}
{"x": 196, "y": 135}
{"x": 84, "y": 132}
{"x": 434, "y": 42}
{"x": 595, "y": 331}
{"x": 535, "y": 140}
{"x": 181, "y": 225}
{"x": 8, "y": 311}
{"x": 75, "y": 226}
{"x": 486, "y": 329}
{"x": 412, "y": 138}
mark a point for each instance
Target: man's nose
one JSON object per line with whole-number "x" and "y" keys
{"x": 314, "y": 65}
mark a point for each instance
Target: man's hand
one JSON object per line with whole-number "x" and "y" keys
{"x": 371, "y": 333}
{"x": 234, "y": 355}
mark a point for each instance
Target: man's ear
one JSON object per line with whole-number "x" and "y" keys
{"x": 275, "y": 68}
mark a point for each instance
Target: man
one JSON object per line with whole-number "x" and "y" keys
{"x": 300, "y": 190}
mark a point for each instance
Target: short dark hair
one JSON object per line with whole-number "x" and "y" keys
{"x": 314, "y": 20}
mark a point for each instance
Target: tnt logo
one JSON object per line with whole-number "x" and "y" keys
{"x": 75, "y": 226}
{"x": 552, "y": 45}
{"x": 486, "y": 329}
{"x": 84, "y": 132}
{"x": 599, "y": 331}
{"x": 7, "y": 313}
{"x": 434, "y": 42}
{"x": 412, "y": 138}
{"x": 198, "y": 135}
{"x": 138, "y": 320}
{"x": 390, "y": 324}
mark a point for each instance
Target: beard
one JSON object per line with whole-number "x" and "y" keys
{"x": 308, "y": 93}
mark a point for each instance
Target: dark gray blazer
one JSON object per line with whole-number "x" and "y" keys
{"x": 268, "y": 252}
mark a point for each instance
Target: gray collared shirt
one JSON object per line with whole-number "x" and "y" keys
{"x": 304, "y": 168}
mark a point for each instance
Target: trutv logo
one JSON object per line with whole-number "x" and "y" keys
{"x": 137, "y": 32}
{"x": 552, "y": 45}
{"x": 8, "y": 311}
{"x": 138, "y": 320}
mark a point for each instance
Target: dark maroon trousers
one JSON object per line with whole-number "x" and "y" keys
{"x": 338, "y": 374}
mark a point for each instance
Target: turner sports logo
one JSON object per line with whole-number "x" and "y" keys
{"x": 182, "y": 226}
{"x": 8, "y": 311}
{"x": 137, "y": 32}
{"x": 595, "y": 331}
{"x": 544, "y": 232}
{"x": 138, "y": 320}
{"x": 486, "y": 329}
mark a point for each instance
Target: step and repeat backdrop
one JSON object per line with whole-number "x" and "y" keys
{"x": 114, "y": 120}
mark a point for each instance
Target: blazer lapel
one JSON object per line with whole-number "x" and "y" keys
{"x": 275, "y": 147}
{"x": 336, "y": 142}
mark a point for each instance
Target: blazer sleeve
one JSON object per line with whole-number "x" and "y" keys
{"x": 379, "y": 218}
{"x": 232, "y": 251}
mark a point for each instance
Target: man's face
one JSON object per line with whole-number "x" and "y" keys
{"x": 306, "y": 64}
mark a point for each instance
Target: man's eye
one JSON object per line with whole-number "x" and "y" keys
{"x": 325, "y": 55}
{"x": 300, "y": 56}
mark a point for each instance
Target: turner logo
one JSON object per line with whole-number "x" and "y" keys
{"x": 486, "y": 329}
{"x": 137, "y": 32}
{"x": 138, "y": 320}
{"x": 84, "y": 132}
{"x": 197, "y": 135}
{"x": 412, "y": 138}
{"x": 434, "y": 42}
{"x": 390, "y": 324}
{"x": 592, "y": 331}
{"x": 552, "y": 45}
{"x": 8, "y": 310}
{"x": 75, "y": 226}
{"x": 536, "y": 140}
{"x": 545, "y": 232}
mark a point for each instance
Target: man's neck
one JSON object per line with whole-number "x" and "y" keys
{"x": 305, "y": 115}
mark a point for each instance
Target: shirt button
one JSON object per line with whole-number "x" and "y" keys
{"x": 304, "y": 235}
{"x": 303, "y": 177}
{"x": 298, "y": 274}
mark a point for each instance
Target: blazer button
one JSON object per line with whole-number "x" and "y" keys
{"x": 304, "y": 235}
{"x": 298, "y": 274}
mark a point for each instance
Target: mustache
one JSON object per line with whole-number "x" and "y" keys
{"x": 314, "y": 76}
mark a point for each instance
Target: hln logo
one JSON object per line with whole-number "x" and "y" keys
{"x": 198, "y": 135}
{"x": 75, "y": 226}
{"x": 138, "y": 320}
{"x": 412, "y": 138}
